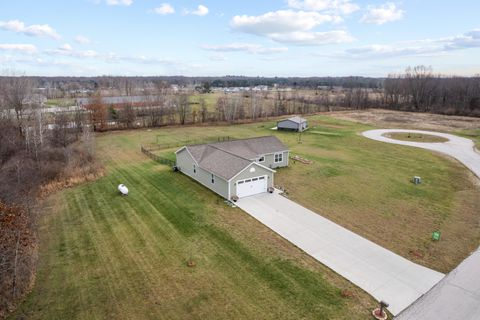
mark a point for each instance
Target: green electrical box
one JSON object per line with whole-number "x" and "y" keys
{"x": 436, "y": 235}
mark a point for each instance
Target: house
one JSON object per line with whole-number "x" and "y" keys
{"x": 293, "y": 123}
{"x": 234, "y": 169}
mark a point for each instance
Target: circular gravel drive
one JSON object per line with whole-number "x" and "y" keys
{"x": 462, "y": 149}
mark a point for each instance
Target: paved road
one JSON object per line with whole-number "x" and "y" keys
{"x": 380, "y": 272}
{"x": 457, "y": 147}
{"x": 457, "y": 296}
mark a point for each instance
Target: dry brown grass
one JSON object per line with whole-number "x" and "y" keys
{"x": 409, "y": 120}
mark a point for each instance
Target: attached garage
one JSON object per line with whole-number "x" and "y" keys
{"x": 234, "y": 169}
{"x": 251, "y": 186}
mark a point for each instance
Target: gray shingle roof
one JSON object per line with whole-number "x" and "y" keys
{"x": 296, "y": 119}
{"x": 228, "y": 158}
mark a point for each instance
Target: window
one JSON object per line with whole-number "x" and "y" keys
{"x": 239, "y": 182}
{"x": 213, "y": 178}
{"x": 278, "y": 157}
{"x": 261, "y": 159}
{"x": 261, "y": 178}
{"x": 254, "y": 179}
{"x": 194, "y": 169}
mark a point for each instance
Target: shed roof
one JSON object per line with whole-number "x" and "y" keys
{"x": 295, "y": 119}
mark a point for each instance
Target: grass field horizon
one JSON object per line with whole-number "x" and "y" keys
{"x": 102, "y": 255}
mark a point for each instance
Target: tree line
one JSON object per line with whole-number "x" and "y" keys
{"x": 37, "y": 150}
{"x": 420, "y": 90}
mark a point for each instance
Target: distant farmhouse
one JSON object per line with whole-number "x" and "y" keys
{"x": 234, "y": 169}
{"x": 293, "y": 124}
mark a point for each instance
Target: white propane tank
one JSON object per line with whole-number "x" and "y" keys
{"x": 123, "y": 189}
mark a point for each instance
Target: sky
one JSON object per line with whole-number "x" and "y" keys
{"x": 251, "y": 38}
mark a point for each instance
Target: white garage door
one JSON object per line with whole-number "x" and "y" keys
{"x": 251, "y": 186}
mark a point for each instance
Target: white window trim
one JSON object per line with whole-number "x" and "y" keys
{"x": 275, "y": 157}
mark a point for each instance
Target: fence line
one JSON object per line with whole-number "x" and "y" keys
{"x": 157, "y": 158}
{"x": 148, "y": 151}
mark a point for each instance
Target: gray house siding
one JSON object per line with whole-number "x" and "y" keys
{"x": 259, "y": 171}
{"x": 185, "y": 164}
{"x": 270, "y": 160}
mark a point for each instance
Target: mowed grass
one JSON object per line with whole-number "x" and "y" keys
{"x": 416, "y": 137}
{"x": 107, "y": 256}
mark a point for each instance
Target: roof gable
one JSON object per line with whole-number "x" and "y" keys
{"x": 228, "y": 158}
{"x": 295, "y": 119}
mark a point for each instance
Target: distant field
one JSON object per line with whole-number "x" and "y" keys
{"x": 106, "y": 256}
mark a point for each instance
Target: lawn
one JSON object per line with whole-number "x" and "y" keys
{"x": 415, "y": 137}
{"x": 103, "y": 255}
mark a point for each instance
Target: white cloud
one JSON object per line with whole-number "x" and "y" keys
{"x": 384, "y": 13}
{"x": 294, "y": 27}
{"x": 119, "y": 2}
{"x": 67, "y": 50}
{"x": 164, "y": 9}
{"x": 343, "y": 7}
{"x": 313, "y": 38}
{"x": 35, "y": 30}
{"x": 426, "y": 47}
{"x": 244, "y": 47}
{"x": 24, "y": 48}
{"x": 281, "y": 21}
{"x": 66, "y": 47}
{"x": 200, "y": 11}
{"x": 218, "y": 57}
{"x": 82, "y": 39}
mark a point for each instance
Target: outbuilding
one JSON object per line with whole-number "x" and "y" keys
{"x": 293, "y": 124}
{"x": 234, "y": 169}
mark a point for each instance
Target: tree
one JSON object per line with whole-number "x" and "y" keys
{"x": 183, "y": 107}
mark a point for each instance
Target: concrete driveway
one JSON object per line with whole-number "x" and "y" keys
{"x": 462, "y": 149}
{"x": 380, "y": 272}
{"x": 456, "y": 296}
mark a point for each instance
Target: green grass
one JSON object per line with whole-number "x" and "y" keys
{"x": 416, "y": 137}
{"x": 60, "y": 102}
{"x": 472, "y": 134}
{"x": 107, "y": 256}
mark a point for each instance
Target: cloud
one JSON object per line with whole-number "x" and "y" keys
{"x": 34, "y": 30}
{"x": 200, "y": 11}
{"x": 218, "y": 57}
{"x": 24, "y": 48}
{"x": 66, "y": 47}
{"x": 313, "y": 38}
{"x": 82, "y": 39}
{"x": 119, "y": 2}
{"x": 384, "y": 13}
{"x": 293, "y": 27}
{"x": 67, "y": 50}
{"x": 164, "y": 9}
{"x": 427, "y": 47}
{"x": 343, "y": 7}
{"x": 244, "y": 47}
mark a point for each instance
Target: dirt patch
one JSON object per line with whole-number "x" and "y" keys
{"x": 409, "y": 120}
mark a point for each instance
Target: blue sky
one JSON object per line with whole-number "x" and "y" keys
{"x": 253, "y": 38}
